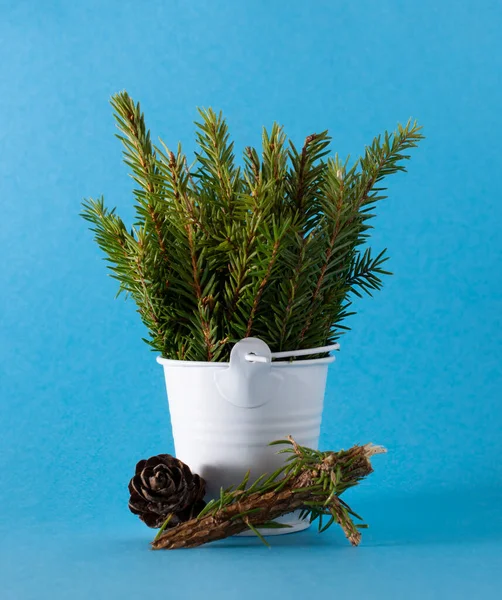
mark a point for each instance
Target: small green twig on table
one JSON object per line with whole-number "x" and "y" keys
{"x": 310, "y": 481}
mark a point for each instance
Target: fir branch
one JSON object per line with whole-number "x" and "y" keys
{"x": 278, "y": 236}
{"x": 196, "y": 219}
{"x": 143, "y": 281}
{"x": 365, "y": 271}
{"x": 293, "y": 284}
{"x": 216, "y": 158}
{"x": 382, "y": 159}
{"x": 253, "y": 164}
{"x": 139, "y": 155}
{"x": 335, "y": 198}
{"x": 275, "y": 249}
{"x": 300, "y": 186}
{"x": 185, "y": 204}
{"x": 266, "y": 182}
{"x": 110, "y": 234}
{"x": 261, "y": 286}
{"x": 126, "y": 253}
{"x": 274, "y": 160}
{"x": 239, "y": 265}
{"x": 307, "y": 171}
{"x": 311, "y": 481}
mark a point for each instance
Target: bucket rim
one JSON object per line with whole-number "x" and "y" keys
{"x": 170, "y": 362}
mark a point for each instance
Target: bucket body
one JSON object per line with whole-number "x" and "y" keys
{"x": 224, "y": 415}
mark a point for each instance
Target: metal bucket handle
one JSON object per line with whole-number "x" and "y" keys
{"x": 249, "y": 381}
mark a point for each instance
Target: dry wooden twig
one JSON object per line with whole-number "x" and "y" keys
{"x": 311, "y": 481}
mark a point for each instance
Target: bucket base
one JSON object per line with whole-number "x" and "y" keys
{"x": 295, "y": 524}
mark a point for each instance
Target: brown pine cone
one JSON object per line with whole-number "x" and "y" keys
{"x": 164, "y": 485}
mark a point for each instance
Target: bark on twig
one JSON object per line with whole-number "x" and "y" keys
{"x": 303, "y": 490}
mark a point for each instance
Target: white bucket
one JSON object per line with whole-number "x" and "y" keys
{"x": 224, "y": 415}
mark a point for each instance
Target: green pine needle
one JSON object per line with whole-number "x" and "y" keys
{"x": 163, "y": 527}
{"x": 258, "y": 534}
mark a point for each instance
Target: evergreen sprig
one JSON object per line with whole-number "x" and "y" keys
{"x": 274, "y": 248}
{"x": 310, "y": 481}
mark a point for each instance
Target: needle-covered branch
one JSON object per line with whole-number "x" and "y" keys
{"x": 275, "y": 247}
{"x": 311, "y": 481}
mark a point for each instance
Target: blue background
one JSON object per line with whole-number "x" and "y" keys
{"x": 81, "y": 395}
